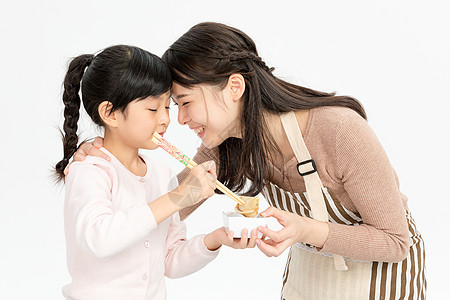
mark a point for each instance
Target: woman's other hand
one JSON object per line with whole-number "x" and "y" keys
{"x": 88, "y": 148}
{"x": 295, "y": 229}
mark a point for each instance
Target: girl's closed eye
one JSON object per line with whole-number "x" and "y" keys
{"x": 156, "y": 109}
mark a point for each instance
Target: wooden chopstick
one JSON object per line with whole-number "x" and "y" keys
{"x": 175, "y": 152}
{"x": 181, "y": 157}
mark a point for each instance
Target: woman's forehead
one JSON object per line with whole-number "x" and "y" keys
{"x": 179, "y": 91}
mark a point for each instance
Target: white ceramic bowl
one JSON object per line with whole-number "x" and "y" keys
{"x": 236, "y": 222}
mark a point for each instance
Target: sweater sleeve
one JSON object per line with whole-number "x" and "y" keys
{"x": 370, "y": 182}
{"x": 98, "y": 228}
{"x": 184, "y": 257}
{"x": 203, "y": 154}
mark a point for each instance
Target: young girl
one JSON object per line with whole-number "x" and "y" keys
{"x": 246, "y": 118}
{"x": 123, "y": 232}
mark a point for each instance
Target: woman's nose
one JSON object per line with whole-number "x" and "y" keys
{"x": 183, "y": 116}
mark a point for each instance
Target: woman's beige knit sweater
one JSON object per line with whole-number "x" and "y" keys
{"x": 355, "y": 169}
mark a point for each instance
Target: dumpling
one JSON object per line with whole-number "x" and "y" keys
{"x": 250, "y": 208}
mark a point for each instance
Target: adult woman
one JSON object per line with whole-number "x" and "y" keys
{"x": 228, "y": 95}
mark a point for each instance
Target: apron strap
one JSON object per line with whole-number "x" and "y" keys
{"x": 307, "y": 169}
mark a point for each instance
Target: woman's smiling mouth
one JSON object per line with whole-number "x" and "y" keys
{"x": 199, "y": 131}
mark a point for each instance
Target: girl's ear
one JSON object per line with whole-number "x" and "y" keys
{"x": 108, "y": 117}
{"x": 236, "y": 85}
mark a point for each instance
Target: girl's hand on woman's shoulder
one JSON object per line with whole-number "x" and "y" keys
{"x": 89, "y": 148}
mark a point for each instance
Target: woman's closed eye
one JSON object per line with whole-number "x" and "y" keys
{"x": 182, "y": 104}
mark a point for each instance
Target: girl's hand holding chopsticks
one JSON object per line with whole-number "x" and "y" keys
{"x": 198, "y": 185}
{"x": 185, "y": 160}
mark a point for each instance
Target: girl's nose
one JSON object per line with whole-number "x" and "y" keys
{"x": 165, "y": 118}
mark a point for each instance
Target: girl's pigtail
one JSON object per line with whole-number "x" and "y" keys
{"x": 72, "y": 103}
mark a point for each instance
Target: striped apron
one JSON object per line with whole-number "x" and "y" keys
{"x": 312, "y": 275}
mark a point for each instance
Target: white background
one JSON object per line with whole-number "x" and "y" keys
{"x": 394, "y": 56}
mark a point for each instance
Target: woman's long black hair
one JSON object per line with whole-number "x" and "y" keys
{"x": 208, "y": 54}
{"x": 119, "y": 74}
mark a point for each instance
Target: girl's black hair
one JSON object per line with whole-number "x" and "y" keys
{"x": 119, "y": 74}
{"x": 208, "y": 54}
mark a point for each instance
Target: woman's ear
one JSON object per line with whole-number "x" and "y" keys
{"x": 236, "y": 85}
{"x": 108, "y": 117}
